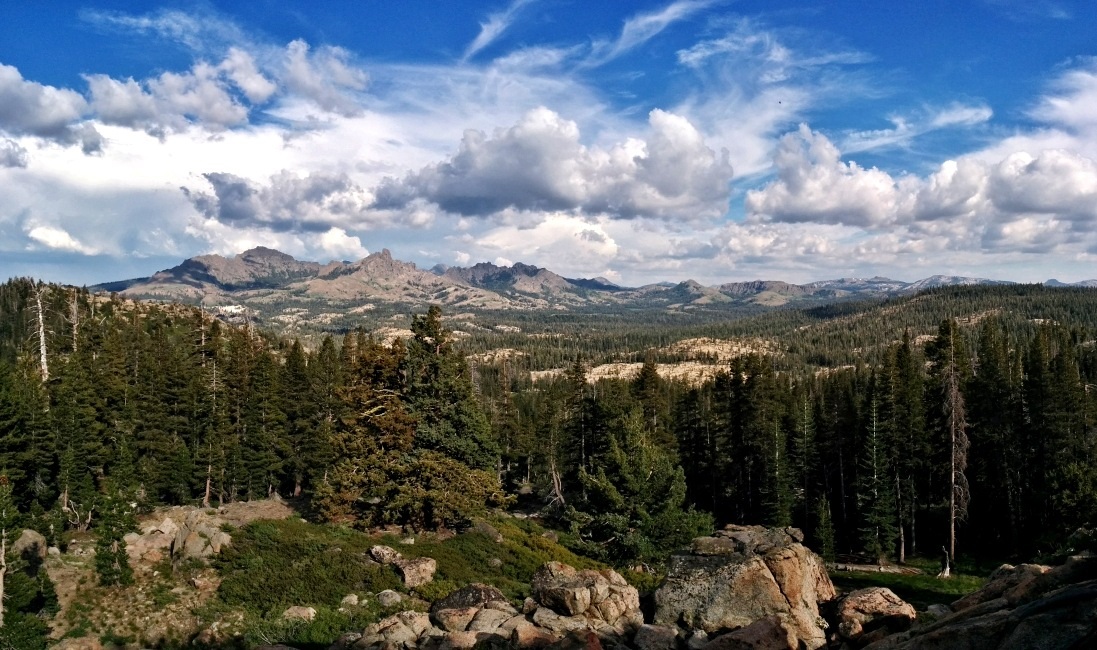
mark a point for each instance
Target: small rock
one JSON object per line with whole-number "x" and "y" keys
{"x": 204, "y": 583}
{"x": 459, "y": 641}
{"x": 488, "y": 620}
{"x": 408, "y": 541}
{"x": 350, "y": 600}
{"x": 417, "y": 571}
{"x": 495, "y": 563}
{"x": 939, "y": 610}
{"x": 486, "y": 529}
{"x": 384, "y": 554}
{"x": 345, "y": 641}
{"x": 501, "y": 606}
{"x": 529, "y": 636}
{"x": 388, "y": 598}
{"x": 473, "y": 595}
{"x": 53, "y": 551}
{"x": 300, "y": 613}
{"x": 455, "y": 619}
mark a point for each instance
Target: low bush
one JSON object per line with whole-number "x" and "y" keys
{"x": 272, "y": 565}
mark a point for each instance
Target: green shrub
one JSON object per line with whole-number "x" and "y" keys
{"x": 272, "y": 565}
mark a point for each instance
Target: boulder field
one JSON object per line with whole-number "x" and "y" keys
{"x": 747, "y": 587}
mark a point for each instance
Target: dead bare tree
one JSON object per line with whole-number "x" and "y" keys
{"x": 40, "y": 331}
{"x": 956, "y": 420}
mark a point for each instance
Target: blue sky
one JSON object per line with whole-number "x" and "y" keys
{"x": 640, "y": 141}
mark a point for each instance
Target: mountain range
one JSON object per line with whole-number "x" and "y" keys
{"x": 263, "y": 275}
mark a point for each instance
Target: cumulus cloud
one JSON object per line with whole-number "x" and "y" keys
{"x": 326, "y": 77}
{"x": 1055, "y": 182}
{"x": 55, "y": 238}
{"x": 540, "y": 164}
{"x": 815, "y": 185}
{"x": 289, "y": 203}
{"x": 1025, "y": 202}
{"x": 31, "y": 108}
{"x": 206, "y": 94}
{"x": 12, "y": 154}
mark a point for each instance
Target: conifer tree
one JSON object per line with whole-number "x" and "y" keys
{"x": 440, "y": 396}
{"x": 874, "y": 487}
{"x": 115, "y": 519}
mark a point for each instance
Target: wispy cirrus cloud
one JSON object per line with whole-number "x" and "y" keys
{"x": 492, "y": 28}
{"x": 906, "y": 128}
{"x": 641, "y": 28}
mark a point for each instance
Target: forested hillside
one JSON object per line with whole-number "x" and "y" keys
{"x": 878, "y": 428}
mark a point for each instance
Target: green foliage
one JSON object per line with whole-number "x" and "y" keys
{"x": 23, "y": 631}
{"x": 115, "y": 518}
{"x": 467, "y": 557}
{"x": 920, "y": 590}
{"x": 634, "y": 506}
{"x": 272, "y": 565}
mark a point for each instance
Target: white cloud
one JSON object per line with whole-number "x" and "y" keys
{"x": 540, "y": 164}
{"x": 240, "y": 66}
{"x": 1071, "y": 103}
{"x": 907, "y": 128}
{"x": 56, "y": 238}
{"x": 12, "y": 154}
{"x": 289, "y": 203}
{"x": 643, "y": 27}
{"x": 31, "y": 108}
{"x": 493, "y": 28}
{"x": 326, "y": 77}
{"x": 1054, "y": 182}
{"x": 815, "y": 185}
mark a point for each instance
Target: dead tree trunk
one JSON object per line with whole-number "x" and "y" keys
{"x": 44, "y": 368}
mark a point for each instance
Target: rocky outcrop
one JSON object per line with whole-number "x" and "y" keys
{"x": 1028, "y": 606}
{"x": 185, "y": 533}
{"x": 742, "y": 575}
{"x": 415, "y": 572}
{"x": 569, "y": 609}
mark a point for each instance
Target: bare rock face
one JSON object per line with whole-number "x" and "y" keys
{"x": 1020, "y": 607}
{"x": 744, "y": 574}
{"x": 867, "y": 610}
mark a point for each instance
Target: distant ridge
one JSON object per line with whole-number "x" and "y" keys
{"x": 378, "y": 279}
